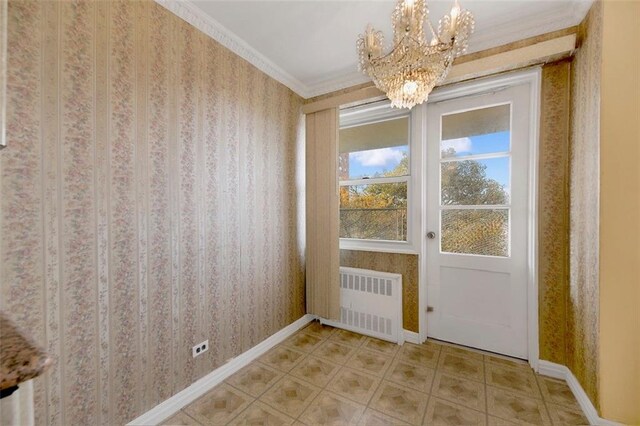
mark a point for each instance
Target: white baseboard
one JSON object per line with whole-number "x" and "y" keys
{"x": 186, "y": 396}
{"x": 551, "y": 369}
{"x": 412, "y": 337}
{"x": 559, "y": 371}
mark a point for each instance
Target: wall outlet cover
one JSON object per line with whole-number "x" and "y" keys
{"x": 200, "y": 348}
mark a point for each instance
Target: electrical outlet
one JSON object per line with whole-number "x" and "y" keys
{"x": 200, "y": 348}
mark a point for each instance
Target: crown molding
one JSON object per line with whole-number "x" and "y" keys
{"x": 580, "y": 10}
{"x": 192, "y": 14}
{"x": 337, "y": 83}
{"x": 566, "y": 15}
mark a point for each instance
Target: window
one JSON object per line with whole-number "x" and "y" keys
{"x": 375, "y": 177}
{"x": 475, "y": 176}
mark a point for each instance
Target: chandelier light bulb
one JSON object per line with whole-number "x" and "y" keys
{"x": 415, "y": 65}
{"x": 407, "y": 9}
{"x": 455, "y": 12}
{"x": 410, "y": 87}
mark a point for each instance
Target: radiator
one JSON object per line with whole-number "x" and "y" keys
{"x": 370, "y": 304}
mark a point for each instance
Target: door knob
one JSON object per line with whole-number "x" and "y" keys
{"x": 431, "y": 235}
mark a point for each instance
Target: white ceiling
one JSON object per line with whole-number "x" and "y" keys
{"x": 310, "y": 45}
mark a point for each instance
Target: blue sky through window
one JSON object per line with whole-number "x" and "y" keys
{"x": 378, "y": 161}
{"x": 497, "y": 168}
{"x": 375, "y": 161}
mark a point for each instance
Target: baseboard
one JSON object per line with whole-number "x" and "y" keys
{"x": 559, "y": 371}
{"x": 551, "y": 369}
{"x": 412, "y": 337}
{"x": 186, "y": 396}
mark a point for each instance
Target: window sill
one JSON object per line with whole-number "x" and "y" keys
{"x": 378, "y": 246}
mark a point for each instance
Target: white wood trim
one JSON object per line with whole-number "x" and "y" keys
{"x": 475, "y": 207}
{"x": 532, "y": 250}
{"x": 183, "y": 398}
{"x": 377, "y": 246}
{"x": 370, "y": 181}
{"x": 548, "y": 21}
{"x": 551, "y": 369}
{"x": 415, "y": 202}
{"x": 488, "y": 85}
{"x": 483, "y": 85}
{"x": 382, "y": 111}
{"x": 422, "y": 232}
{"x": 339, "y": 82}
{"x": 192, "y": 14}
{"x": 17, "y": 408}
{"x": 412, "y": 337}
{"x": 3, "y": 71}
{"x": 558, "y": 371}
{"x": 375, "y": 112}
{"x": 499, "y": 154}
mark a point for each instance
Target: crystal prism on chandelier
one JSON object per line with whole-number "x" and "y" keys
{"x": 413, "y": 67}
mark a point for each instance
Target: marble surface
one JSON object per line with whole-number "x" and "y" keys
{"x": 20, "y": 359}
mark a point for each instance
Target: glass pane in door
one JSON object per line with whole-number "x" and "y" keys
{"x": 476, "y": 132}
{"x": 475, "y": 181}
{"x": 476, "y": 231}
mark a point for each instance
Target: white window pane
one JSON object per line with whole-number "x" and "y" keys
{"x": 480, "y": 131}
{"x": 476, "y": 231}
{"x": 475, "y": 182}
{"x": 375, "y": 150}
{"x": 375, "y": 211}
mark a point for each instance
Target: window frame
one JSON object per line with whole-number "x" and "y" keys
{"x": 374, "y": 113}
{"x": 486, "y": 156}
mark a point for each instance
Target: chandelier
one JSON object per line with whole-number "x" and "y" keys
{"x": 413, "y": 67}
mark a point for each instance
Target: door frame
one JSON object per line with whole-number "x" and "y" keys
{"x": 531, "y": 76}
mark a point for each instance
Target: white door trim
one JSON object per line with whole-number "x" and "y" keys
{"x": 483, "y": 86}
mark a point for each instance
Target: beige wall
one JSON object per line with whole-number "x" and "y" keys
{"x": 619, "y": 368}
{"x": 553, "y": 211}
{"x": 148, "y": 202}
{"x": 583, "y": 295}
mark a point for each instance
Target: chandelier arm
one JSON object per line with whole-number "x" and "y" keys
{"x": 433, "y": 32}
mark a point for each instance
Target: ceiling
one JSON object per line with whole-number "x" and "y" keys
{"x": 310, "y": 45}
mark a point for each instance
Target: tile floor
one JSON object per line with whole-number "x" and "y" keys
{"x": 322, "y": 375}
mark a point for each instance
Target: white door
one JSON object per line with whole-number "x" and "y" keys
{"x": 477, "y": 220}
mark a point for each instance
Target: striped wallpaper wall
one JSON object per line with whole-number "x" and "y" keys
{"x": 150, "y": 199}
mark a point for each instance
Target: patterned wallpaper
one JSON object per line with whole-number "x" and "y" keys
{"x": 150, "y": 199}
{"x": 397, "y": 263}
{"x": 583, "y": 297}
{"x": 553, "y": 211}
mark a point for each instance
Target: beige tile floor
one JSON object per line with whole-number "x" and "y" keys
{"x": 322, "y": 375}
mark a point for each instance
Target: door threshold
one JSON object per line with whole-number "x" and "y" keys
{"x": 478, "y": 351}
